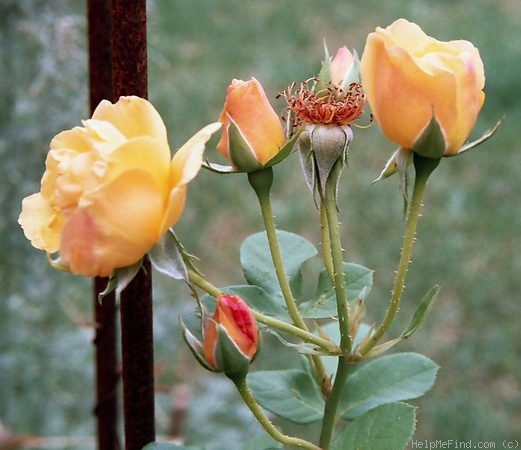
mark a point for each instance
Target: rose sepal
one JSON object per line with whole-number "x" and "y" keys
{"x": 241, "y": 153}
{"x": 325, "y": 77}
{"x": 431, "y": 142}
{"x": 485, "y": 137}
{"x": 120, "y": 279}
{"x": 320, "y": 148}
{"x": 222, "y": 169}
{"x": 229, "y": 357}
{"x": 398, "y": 161}
{"x": 58, "y": 263}
{"x": 196, "y": 347}
{"x": 286, "y": 149}
{"x": 282, "y": 154}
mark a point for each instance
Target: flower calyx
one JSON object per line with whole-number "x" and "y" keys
{"x": 230, "y": 337}
{"x": 322, "y": 148}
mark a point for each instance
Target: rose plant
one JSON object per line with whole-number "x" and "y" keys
{"x": 111, "y": 191}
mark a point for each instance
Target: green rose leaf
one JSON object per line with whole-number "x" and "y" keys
{"x": 388, "y": 379}
{"x": 421, "y": 312}
{"x": 417, "y": 319}
{"x": 257, "y": 264}
{"x": 388, "y": 427}
{"x": 322, "y": 305}
{"x": 291, "y": 394}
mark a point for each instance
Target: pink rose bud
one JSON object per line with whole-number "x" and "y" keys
{"x": 342, "y": 66}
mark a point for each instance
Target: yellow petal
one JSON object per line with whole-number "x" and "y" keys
{"x": 390, "y": 78}
{"x": 133, "y": 116}
{"x": 76, "y": 139}
{"x": 104, "y": 136}
{"x": 113, "y": 226}
{"x": 188, "y": 159}
{"x": 142, "y": 153}
{"x": 41, "y": 223}
{"x": 174, "y": 208}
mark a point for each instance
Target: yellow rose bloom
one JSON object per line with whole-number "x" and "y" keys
{"x": 111, "y": 189}
{"x": 409, "y": 76}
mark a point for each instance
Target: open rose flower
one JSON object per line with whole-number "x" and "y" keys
{"x": 252, "y": 133}
{"x": 410, "y": 77}
{"x": 111, "y": 189}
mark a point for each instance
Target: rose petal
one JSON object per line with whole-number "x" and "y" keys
{"x": 142, "y": 153}
{"x": 174, "y": 208}
{"x": 114, "y": 226}
{"x": 41, "y": 223}
{"x": 133, "y": 116}
{"x": 188, "y": 159}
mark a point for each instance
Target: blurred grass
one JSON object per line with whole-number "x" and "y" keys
{"x": 468, "y": 239}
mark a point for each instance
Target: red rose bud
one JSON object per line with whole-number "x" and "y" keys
{"x": 231, "y": 336}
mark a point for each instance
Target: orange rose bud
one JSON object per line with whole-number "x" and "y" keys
{"x": 252, "y": 133}
{"x": 231, "y": 336}
{"x": 413, "y": 80}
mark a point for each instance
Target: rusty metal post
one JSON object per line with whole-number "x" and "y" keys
{"x": 107, "y": 376}
{"x": 129, "y": 68}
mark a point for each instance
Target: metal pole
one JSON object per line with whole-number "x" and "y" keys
{"x": 107, "y": 376}
{"x": 129, "y": 66}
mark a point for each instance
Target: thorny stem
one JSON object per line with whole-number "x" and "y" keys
{"x": 424, "y": 167}
{"x": 338, "y": 262}
{"x": 306, "y": 336}
{"x": 261, "y": 182}
{"x": 259, "y": 414}
{"x": 333, "y": 400}
{"x": 326, "y": 243}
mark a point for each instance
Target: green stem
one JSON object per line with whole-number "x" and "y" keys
{"x": 262, "y": 189}
{"x": 272, "y": 322}
{"x": 261, "y": 182}
{"x": 338, "y": 262}
{"x": 329, "y": 420}
{"x": 306, "y": 336}
{"x": 206, "y": 286}
{"x": 424, "y": 167}
{"x": 259, "y": 414}
{"x": 326, "y": 243}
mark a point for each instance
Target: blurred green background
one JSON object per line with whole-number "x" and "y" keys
{"x": 468, "y": 238}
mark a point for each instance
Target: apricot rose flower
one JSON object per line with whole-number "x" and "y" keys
{"x": 111, "y": 189}
{"x": 409, "y": 76}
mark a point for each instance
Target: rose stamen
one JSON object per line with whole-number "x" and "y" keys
{"x": 335, "y": 106}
